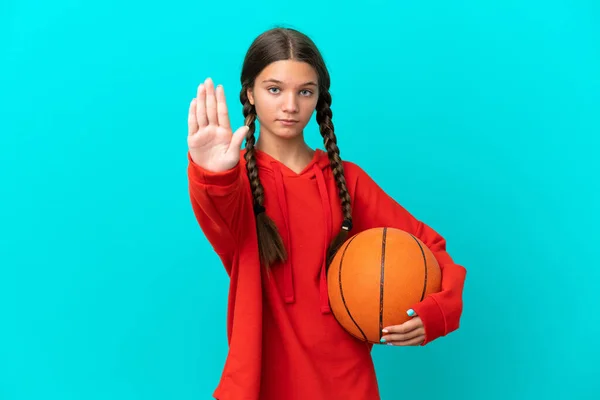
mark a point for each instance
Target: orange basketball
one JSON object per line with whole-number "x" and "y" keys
{"x": 376, "y": 276}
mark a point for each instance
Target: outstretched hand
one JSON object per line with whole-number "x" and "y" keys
{"x": 211, "y": 142}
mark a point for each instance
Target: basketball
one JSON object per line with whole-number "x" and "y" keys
{"x": 376, "y": 276}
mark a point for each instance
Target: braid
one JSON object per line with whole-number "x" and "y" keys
{"x": 324, "y": 115}
{"x": 270, "y": 245}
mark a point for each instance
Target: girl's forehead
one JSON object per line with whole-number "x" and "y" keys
{"x": 289, "y": 71}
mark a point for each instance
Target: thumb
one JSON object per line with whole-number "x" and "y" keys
{"x": 238, "y": 138}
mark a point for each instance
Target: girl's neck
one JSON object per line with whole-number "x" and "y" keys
{"x": 293, "y": 153}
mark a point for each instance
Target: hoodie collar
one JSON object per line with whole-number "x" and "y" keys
{"x": 266, "y": 161}
{"x": 314, "y": 170}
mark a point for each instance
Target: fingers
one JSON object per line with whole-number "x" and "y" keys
{"x": 417, "y": 341}
{"x": 401, "y": 337}
{"x": 222, "y": 113}
{"x": 192, "y": 122}
{"x": 238, "y": 138}
{"x": 406, "y": 327}
{"x": 211, "y": 106}
{"x": 211, "y": 102}
{"x": 410, "y": 333}
{"x": 201, "y": 106}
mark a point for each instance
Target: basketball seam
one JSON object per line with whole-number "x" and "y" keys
{"x": 381, "y": 282}
{"x": 425, "y": 263}
{"x": 342, "y": 289}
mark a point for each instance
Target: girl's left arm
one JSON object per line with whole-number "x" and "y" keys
{"x": 372, "y": 207}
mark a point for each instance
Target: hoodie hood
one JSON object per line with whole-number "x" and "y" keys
{"x": 313, "y": 171}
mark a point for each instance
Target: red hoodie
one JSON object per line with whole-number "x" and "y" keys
{"x": 284, "y": 343}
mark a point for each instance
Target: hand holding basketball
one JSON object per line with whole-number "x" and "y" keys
{"x": 410, "y": 333}
{"x": 211, "y": 143}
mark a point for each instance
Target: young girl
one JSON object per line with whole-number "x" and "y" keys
{"x": 275, "y": 213}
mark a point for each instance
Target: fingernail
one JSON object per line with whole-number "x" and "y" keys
{"x": 384, "y": 331}
{"x": 411, "y": 312}
{"x": 390, "y": 344}
{"x": 382, "y": 340}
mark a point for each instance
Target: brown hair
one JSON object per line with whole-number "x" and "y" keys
{"x": 288, "y": 44}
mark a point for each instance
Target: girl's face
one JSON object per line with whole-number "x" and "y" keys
{"x": 285, "y": 95}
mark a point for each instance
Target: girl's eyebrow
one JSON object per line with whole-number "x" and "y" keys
{"x": 310, "y": 83}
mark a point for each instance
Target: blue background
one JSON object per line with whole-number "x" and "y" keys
{"x": 482, "y": 118}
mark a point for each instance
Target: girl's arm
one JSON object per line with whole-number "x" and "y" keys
{"x": 440, "y": 312}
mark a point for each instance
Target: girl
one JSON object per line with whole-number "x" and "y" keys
{"x": 275, "y": 213}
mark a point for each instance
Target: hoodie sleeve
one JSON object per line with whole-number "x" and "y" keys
{"x": 440, "y": 312}
{"x": 217, "y": 201}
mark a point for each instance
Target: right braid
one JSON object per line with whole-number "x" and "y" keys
{"x": 324, "y": 116}
{"x": 270, "y": 245}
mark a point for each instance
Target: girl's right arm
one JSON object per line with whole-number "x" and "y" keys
{"x": 215, "y": 176}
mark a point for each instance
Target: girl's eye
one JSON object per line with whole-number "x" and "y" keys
{"x": 305, "y": 92}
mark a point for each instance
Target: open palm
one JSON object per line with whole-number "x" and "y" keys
{"x": 211, "y": 142}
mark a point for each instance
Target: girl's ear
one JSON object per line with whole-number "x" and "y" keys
{"x": 250, "y": 96}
